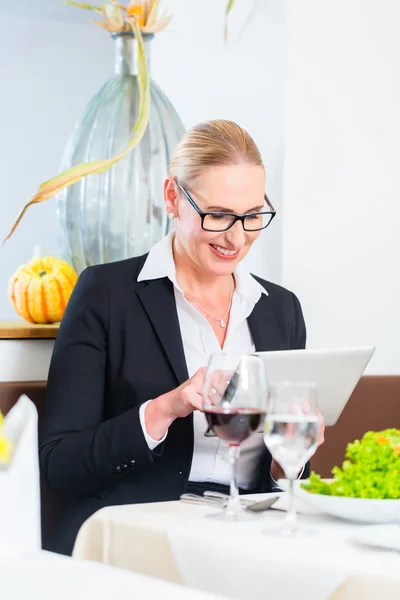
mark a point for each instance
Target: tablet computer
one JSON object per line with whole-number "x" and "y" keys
{"x": 336, "y": 373}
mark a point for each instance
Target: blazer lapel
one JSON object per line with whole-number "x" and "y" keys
{"x": 158, "y": 300}
{"x": 263, "y": 327}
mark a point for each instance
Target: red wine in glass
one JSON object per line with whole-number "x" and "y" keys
{"x": 234, "y": 425}
{"x": 234, "y": 403}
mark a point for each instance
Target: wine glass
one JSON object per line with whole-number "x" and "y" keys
{"x": 291, "y": 435}
{"x": 234, "y": 403}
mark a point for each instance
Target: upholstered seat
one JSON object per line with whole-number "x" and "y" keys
{"x": 375, "y": 404}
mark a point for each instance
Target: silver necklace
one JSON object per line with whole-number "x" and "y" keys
{"x": 222, "y": 321}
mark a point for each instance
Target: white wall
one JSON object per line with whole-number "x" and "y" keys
{"x": 50, "y": 68}
{"x": 341, "y": 241}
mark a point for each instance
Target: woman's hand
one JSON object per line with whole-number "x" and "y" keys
{"x": 161, "y": 412}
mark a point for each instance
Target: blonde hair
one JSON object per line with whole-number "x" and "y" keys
{"x": 212, "y": 143}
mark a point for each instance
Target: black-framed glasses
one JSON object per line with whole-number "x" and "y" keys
{"x": 222, "y": 221}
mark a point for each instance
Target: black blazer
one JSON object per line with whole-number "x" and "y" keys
{"x": 119, "y": 345}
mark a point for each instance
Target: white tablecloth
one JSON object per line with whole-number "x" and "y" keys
{"x": 175, "y": 541}
{"x": 47, "y": 576}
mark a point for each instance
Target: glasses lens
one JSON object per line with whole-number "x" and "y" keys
{"x": 221, "y": 222}
{"x": 257, "y": 221}
{"x": 217, "y": 222}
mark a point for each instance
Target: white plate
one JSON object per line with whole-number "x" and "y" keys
{"x": 360, "y": 510}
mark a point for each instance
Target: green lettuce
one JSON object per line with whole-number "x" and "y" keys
{"x": 371, "y": 469}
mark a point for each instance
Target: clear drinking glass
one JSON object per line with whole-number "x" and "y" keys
{"x": 291, "y": 435}
{"x": 234, "y": 403}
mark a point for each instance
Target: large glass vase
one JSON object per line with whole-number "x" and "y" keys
{"x": 120, "y": 213}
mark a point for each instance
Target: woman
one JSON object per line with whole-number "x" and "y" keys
{"x": 122, "y": 422}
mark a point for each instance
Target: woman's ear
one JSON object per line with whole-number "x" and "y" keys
{"x": 171, "y": 197}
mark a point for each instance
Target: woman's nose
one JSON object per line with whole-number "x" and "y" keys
{"x": 236, "y": 235}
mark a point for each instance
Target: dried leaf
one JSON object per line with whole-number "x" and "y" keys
{"x": 228, "y": 9}
{"x": 82, "y": 5}
{"x": 159, "y": 25}
{"x": 146, "y": 9}
{"x": 74, "y": 174}
{"x": 100, "y": 24}
{"x": 114, "y": 17}
{"x": 153, "y": 11}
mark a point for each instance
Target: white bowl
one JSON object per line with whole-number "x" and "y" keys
{"x": 361, "y": 510}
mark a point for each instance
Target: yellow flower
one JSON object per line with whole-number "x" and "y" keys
{"x": 136, "y": 10}
{"x": 5, "y": 450}
{"x": 5, "y": 445}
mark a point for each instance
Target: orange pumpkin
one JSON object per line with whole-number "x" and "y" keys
{"x": 39, "y": 291}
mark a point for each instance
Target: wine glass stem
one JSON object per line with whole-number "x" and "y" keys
{"x": 291, "y": 516}
{"x": 234, "y": 502}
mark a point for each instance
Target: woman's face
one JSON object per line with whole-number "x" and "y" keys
{"x": 234, "y": 188}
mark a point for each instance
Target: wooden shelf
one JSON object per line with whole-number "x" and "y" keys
{"x": 22, "y": 330}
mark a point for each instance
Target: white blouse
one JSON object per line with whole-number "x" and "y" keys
{"x": 210, "y": 457}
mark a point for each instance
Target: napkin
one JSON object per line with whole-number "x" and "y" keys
{"x": 19, "y": 483}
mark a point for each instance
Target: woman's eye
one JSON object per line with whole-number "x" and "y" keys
{"x": 218, "y": 217}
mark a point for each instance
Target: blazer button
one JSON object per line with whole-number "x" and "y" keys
{"x": 124, "y": 466}
{"x": 132, "y": 462}
{"x": 118, "y": 469}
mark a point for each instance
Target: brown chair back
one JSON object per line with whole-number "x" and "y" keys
{"x": 374, "y": 405}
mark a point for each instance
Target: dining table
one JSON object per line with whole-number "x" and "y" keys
{"x": 178, "y": 542}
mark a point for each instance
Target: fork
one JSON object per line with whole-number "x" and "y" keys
{"x": 252, "y": 505}
{"x": 220, "y": 500}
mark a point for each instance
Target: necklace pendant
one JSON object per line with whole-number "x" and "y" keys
{"x": 222, "y": 323}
